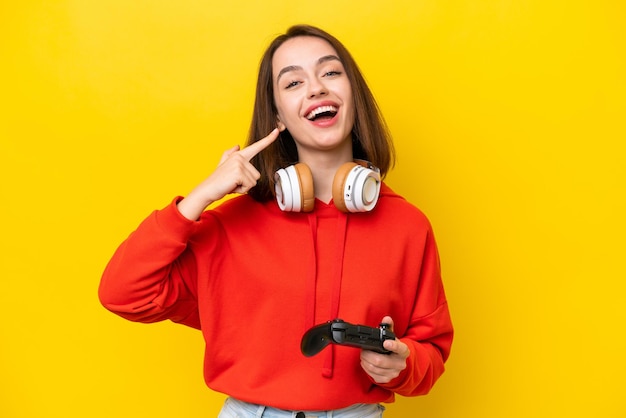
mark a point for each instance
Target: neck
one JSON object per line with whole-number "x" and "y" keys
{"x": 323, "y": 167}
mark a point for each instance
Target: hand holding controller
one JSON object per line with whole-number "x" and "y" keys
{"x": 343, "y": 333}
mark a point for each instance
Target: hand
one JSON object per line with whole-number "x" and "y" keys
{"x": 383, "y": 368}
{"x": 234, "y": 174}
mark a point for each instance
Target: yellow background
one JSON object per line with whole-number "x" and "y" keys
{"x": 509, "y": 119}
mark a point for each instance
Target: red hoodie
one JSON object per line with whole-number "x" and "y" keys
{"x": 254, "y": 279}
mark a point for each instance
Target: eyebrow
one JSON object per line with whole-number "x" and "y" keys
{"x": 322, "y": 60}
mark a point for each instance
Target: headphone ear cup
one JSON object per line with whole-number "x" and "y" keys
{"x": 294, "y": 188}
{"x": 339, "y": 184}
{"x": 307, "y": 192}
{"x": 356, "y": 187}
{"x": 283, "y": 188}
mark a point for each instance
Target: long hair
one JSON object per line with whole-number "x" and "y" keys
{"x": 370, "y": 135}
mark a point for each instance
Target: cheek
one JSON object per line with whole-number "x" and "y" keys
{"x": 351, "y": 109}
{"x": 278, "y": 102}
{"x": 285, "y": 109}
{"x": 348, "y": 101}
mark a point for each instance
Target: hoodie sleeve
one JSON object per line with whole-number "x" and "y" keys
{"x": 430, "y": 332}
{"x": 151, "y": 276}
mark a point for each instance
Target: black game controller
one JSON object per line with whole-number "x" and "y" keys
{"x": 343, "y": 333}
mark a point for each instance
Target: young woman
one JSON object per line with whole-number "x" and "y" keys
{"x": 315, "y": 235}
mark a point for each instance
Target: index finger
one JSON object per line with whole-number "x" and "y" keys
{"x": 253, "y": 149}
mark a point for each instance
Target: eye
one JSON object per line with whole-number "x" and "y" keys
{"x": 292, "y": 84}
{"x": 332, "y": 73}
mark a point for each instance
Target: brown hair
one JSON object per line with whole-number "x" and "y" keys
{"x": 370, "y": 136}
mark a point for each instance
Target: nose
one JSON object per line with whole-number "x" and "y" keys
{"x": 317, "y": 88}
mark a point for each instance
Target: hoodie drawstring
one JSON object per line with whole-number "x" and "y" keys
{"x": 342, "y": 222}
{"x": 311, "y": 284}
{"x": 337, "y": 274}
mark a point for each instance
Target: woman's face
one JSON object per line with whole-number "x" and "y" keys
{"x": 312, "y": 94}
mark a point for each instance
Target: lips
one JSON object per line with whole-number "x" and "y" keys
{"x": 323, "y": 112}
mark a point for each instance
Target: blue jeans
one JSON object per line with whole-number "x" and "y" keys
{"x": 234, "y": 408}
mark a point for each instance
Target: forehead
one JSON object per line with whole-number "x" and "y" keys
{"x": 302, "y": 51}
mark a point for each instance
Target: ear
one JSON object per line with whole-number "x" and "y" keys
{"x": 281, "y": 126}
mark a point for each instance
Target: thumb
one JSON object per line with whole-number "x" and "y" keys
{"x": 228, "y": 153}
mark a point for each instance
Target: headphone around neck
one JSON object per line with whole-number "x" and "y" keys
{"x": 356, "y": 187}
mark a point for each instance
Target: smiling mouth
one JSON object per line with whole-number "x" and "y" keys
{"x": 322, "y": 113}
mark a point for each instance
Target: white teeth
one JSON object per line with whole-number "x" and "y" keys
{"x": 319, "y": 110}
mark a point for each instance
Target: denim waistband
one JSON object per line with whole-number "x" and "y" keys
{"x": 234, "y": 408}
